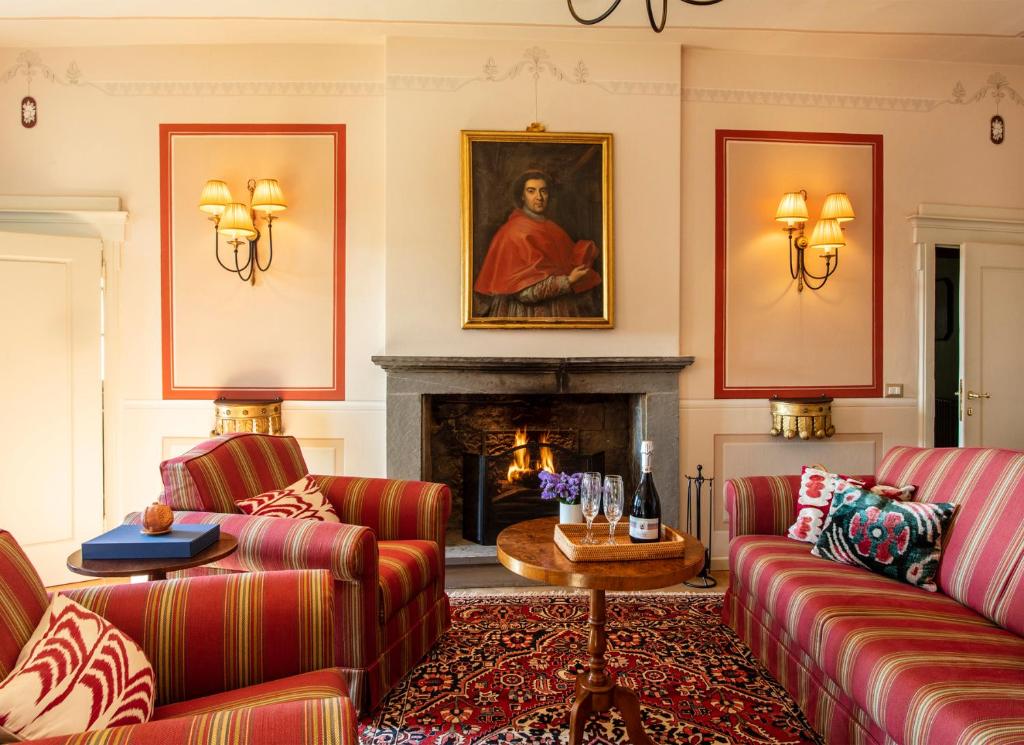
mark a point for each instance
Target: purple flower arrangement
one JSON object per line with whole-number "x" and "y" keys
{"x": 565, "y": 487}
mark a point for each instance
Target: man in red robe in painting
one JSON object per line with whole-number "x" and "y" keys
{"x": 533, "y": 269}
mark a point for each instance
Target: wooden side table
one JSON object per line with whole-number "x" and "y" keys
{"x": 154, "y": 569}
{"x": 528, "y": 549}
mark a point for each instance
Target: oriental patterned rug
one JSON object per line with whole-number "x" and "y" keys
{"x": 505, "y": 673}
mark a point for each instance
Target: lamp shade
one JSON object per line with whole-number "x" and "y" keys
{"x": 267, "y": 196}
{"x": 236, "y": 222}
{"x": 837, "y": 207}
{"x": 827, "y": 235}
{"x": 792, "y": 208}
{"x": 215, "y": 196}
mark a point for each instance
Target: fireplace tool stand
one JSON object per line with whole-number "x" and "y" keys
{"x": 694, "y": 497}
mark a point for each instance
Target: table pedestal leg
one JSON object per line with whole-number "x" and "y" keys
{"x": 596, "y": 690}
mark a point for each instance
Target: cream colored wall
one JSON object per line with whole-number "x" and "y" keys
{"x": 100, "y": 137}
{"x": 403, "y": 103}
{"x": 435, "y": 90}
{"x": 933, "y": 153}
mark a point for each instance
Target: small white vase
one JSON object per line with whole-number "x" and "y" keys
{"x": 570, "y": 513}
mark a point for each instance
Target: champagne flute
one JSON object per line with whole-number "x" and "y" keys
{"x": 590, "y": 500}
{"x": 614, "y": 496}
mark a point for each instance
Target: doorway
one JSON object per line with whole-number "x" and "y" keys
{"x": 947, "y": 346}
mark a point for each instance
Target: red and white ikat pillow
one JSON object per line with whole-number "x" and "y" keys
{"x": 817, "y": 487}
{"x": 76, "y": 673}
{"x": 302, "y": 501}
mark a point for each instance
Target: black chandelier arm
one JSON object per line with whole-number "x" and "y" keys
{"x": 828, "y": 271}
{"x": 658, "y": 27}
{"x": 592, "y": 21}
{"x": 270, "y": 240}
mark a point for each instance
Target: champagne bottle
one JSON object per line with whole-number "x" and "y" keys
{"x": 645, "y": 514}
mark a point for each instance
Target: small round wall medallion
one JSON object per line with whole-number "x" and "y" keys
{"x": 29, "y": 112}
{"x": 997, "y": 130}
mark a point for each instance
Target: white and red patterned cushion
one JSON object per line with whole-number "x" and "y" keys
{"x": 76, "y": 673}
{"x": 817, "y": 487}
{"x": 302, "y": 501}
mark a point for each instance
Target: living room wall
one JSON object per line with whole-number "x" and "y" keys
{"x": 403, "y": 102}
{"x": 97, "y": 134}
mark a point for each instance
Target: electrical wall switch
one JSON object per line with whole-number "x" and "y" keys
{"x": 894, "y": 390}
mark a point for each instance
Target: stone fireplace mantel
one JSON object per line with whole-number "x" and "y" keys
{"x": 652, "y": 383}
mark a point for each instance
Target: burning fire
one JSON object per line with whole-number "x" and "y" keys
{"x": 521, "y": 465}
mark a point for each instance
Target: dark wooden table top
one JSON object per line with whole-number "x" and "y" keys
{"x": 132, "y": 567}
{"x": 528, "y": 549}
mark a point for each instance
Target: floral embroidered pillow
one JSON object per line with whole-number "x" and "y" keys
{"x": 76, "y": 673}
{"x": 302, "y": 501}
{"x": 901, "y": 540}
{"x": 817, "y": 487}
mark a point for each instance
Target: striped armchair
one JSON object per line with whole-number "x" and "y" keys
{"x": 215, "y": 685}
{"x": 386, "y": 557}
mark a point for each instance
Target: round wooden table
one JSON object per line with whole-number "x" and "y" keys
{"x": 528, "y": 549}
{"x": 154, "y": 569}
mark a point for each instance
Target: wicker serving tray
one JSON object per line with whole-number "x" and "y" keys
{"x": 569, "y": 538}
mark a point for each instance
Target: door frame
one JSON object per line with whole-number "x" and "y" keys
{"x": 948, "y": 225}
{"x": 88, "y": 217}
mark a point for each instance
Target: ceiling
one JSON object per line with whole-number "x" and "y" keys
{"x": 989, "y": 31}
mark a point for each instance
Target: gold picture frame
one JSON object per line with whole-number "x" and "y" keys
{"x": 537, "y": 237}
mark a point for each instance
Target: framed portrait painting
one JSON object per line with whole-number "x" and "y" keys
{"x": 536, "y": 230}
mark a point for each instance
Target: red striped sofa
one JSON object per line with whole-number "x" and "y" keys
{"x": 386, "y": 557}
{"x": 872, "y": 660}
{"x": 214, "y": 686}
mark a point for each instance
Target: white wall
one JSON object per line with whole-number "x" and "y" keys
{"x": 404, "y": 102}
{"x": 100, "y": 137}
{"x": 432, "y": 95}
{"x": 933, "y": 153}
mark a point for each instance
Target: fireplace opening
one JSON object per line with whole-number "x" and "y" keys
{"x": 490, "y": 449}
{"x": 502, "y": 484}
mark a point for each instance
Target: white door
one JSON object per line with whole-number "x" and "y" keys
{"x": 51, "y": 435}
{"x": 992, "y": 345}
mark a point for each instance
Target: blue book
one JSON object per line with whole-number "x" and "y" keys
{"x": 129, "y": 542}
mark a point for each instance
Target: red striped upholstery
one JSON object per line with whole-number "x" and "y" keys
{"x": 983, "y": 559}
{"x": 239, "y": 659}
{"x": 268, "y": 626}
{"x": 216, "y": 473}
{"x": 22, "y": 601}
{"x": 386, "y": 557}
{"x": 324, "y": 721}
{"x": 761, "y": 505}
{"x": 871, "y": 660}
{"x": 406, "y": 568}
{"x": 329, "y": 683}
{"x": 395, "y": 510}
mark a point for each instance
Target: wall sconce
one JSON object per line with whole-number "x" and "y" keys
{"x": 826, "y": 236}
{"x": 238, "y": 222}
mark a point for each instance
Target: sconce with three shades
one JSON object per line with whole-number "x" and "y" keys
{"x": 237, "y": 221}
{"x": 827, "y": 235}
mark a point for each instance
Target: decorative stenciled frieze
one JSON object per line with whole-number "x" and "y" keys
{"x": 237, "y": 87}
{"x": 810, "y": 99}
{"x": 536, "y": 63}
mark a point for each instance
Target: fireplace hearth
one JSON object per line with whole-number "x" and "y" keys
{"x": 442, "y": 409}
